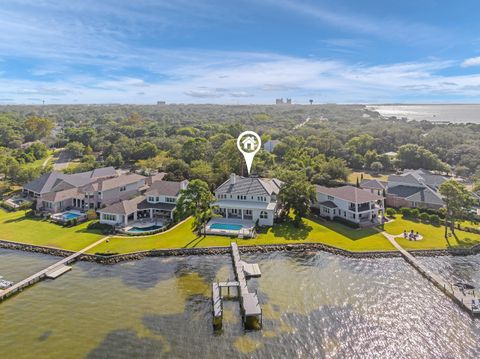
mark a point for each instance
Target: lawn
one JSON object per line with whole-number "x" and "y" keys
{"x": 352, "y": 177}
{"x": 14, "y": 226}
{"x": 333, "y": 234}
{"x": 433, "y": 236}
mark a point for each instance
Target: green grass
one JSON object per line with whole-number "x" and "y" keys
{"x": 39, "y": 163}
{"x": 14, "y": 226}
{"x": 352, "y": 177}
{"x": 433, "y": 236}
{"x": 333, "y": 234}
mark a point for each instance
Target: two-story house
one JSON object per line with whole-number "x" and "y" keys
{"x": 349, "y": 203}
{"x": 156, "y": 204}
{"x": 249, "y": 199}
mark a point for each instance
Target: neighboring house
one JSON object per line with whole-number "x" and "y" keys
{"x": 249, "y": 198}
{"x": 374, "y": 186}
{"x": 353, "y": 204}
{"x": 270, "y": 145}
{"x": 55, "y": 192}
{"x": 157, "y": 203}
{"x": 415, "y": 189}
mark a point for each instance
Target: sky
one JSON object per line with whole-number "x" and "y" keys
{"x": 239, "y": 52}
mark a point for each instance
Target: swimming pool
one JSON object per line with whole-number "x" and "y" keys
{"x": 226, "y": 226}
{"x": 70, "y": 215}
{"x": 143, "y": 229}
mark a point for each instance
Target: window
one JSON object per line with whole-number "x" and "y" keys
{"x": 263, "y": 215}
{"x": 170, "y": 199}
{"x": 109, "y": 217}
{"x": 123, "y": 189}
{"x": 151, "y": 199}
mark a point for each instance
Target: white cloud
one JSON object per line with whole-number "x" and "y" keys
{"x": 473, "y": 61}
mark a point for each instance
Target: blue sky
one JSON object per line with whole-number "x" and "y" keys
{"x": 242, "y": 51}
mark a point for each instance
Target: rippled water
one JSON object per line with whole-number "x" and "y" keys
{"x": 450, "y": 113}
{"x": 315, "y": 306}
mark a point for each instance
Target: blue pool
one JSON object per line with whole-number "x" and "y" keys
{"x": 70, "y": 215}
{"x": 143, "y": 229}
{"x": 226, "y": 226}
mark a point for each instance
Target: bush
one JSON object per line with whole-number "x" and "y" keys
{"x": 406, "y": 212}
{"x": 414, "y": 213}
{"x": 391, "y": 212}
{"x": 424, "y": 217}
{"x": 434, "y": 219}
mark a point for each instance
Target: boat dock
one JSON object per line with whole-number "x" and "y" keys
{"x": 462, "y": 297}
{"x": 249, "y": 303}
{"x": 52, "y": 272}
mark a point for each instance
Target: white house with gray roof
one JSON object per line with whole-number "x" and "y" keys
{"x": 157, "y": 204}
{"x": 249, "y": 199}
{"x": 350, "y": 203}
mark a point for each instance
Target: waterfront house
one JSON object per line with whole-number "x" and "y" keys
{"x": 56, "y": 192}
{"x": 415, "y": 189}
{"x": 374, "y": 186}
{"x": 356, "y": 205}
{"x": 156, "y": 205}
{"x": 249, "y": 199}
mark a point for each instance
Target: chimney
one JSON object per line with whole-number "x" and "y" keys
{"x": 233, "y": 178}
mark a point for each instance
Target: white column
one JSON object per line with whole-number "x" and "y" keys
{"x": 151, "y": 213}
{"x": 125, "y": 219}
{"x": 242, "y": 213}
{"x": 135, "y": 216}
{"x": 226, "y": 212}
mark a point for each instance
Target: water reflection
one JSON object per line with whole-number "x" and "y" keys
{"x": 315, "y": 305}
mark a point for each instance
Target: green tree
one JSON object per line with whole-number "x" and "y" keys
{"x": 196, "y": 149}
{"x": 197, "y": 201}
{"x": 144, "y": 151}
{"x": 414, "y": 156}
{"x": 376, "y": 167}
{"x": 296, "y": 195}
{"x": 76, "y": 149}
{"x": 38, "y": 127}
{"x": 457, "y": 202}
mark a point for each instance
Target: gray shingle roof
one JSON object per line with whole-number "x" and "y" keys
{"x": 415, "y": 194}
{"x": 166, "y": 188}
{"x": 373, "y": 184}
{"x": 123, "y": 207}
{"x": 328, "y": 204}
{"x": 119, "y": 181}
{"x": 249, "y": 186}
{"x": 349, "y": 193}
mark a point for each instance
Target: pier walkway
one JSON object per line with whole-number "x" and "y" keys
{"x": 53, "y": 271}
{"x": 249, "y": 303}
{"x": 461, "y": 297}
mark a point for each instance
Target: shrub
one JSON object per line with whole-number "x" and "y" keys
{"x": 391, "y": 212}
{"x": 406, "y": 212}
{"x": 424, "y": 217}
{"x": 434, "y": 219}
{"x": 414, "y": 213}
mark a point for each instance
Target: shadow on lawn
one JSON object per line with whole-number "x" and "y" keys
{"x": 288, "y": 231}
{"x": 351, "y": 233}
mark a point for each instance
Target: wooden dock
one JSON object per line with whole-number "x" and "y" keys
{"x": 463, "y": 298}
{"x": 249, "y": 303}
{"x": 53, "y": 271}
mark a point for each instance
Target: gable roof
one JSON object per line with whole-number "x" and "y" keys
{"x": 252, "y": 186}
{"x": 122, "y": 180}
{"x": 48, "y": 181}
{"x": 123, "y": 207}
{"x": 60, "y": 195}
{"x": 415, "y": 194}
{"x": 166, "y": 188}
{"x": 348, "y": 193}
{"x": 418, "y": 177}
{"x": 373, "y": 184}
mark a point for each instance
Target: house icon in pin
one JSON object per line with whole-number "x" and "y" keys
{"x": 249, "y": 143}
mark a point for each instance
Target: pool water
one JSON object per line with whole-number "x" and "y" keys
{"x": 70, "y": 215}
{"x": 143, "y": 229}
{"x": 226, "y": 226}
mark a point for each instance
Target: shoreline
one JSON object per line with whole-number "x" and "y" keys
{"x": 180, "y": 252}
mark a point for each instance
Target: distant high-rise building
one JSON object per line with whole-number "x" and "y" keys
{"x": 279, "y": 101}
{"x": 161, "y": 102}
{"x": 289, "y": 101}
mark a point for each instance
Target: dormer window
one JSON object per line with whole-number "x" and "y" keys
{"x": 170, "y": 199}
{"x": 123, "y": 188}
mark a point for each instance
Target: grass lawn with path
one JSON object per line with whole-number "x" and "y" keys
{"x": 330, "y": 233}
{"x": 14, "y": 226}
{"x": 433, "y": 236}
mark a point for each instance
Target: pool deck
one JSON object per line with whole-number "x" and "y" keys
{"x": 247, "y": 225}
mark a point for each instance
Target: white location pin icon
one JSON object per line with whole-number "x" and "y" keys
{"x": 249, "y": 143}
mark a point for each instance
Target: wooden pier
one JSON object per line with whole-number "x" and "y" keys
{"x": 463, "y": 298}
{"x": 53, "y": 271}
{"x": 249, "y": 303}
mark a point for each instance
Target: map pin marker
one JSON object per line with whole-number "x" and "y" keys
{"x": 249, "y": 143}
